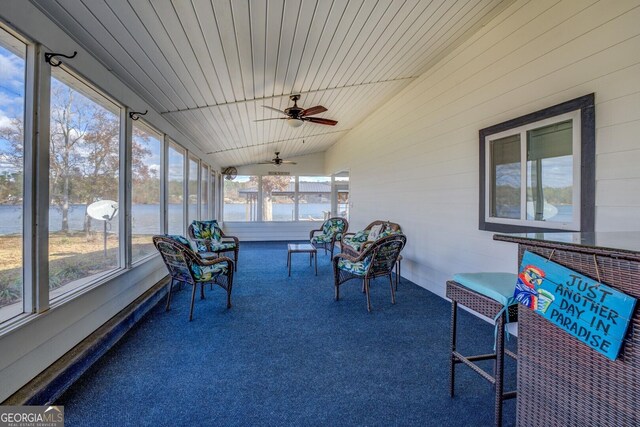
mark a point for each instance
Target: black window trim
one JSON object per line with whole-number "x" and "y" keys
{"x": 586, "y": 105}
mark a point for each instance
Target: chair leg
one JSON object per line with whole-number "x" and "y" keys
{"x": 452, "y": 364}
{"x": 393, "y": 294}
{"x": 229, "y": 297}
{"x": 337, "y": 292}
{"x": 366, "y": 289}
{"x": 499, "y": 370}
{"x": 168, "y": 306}
{"x": 193, "y": 298}
{"x": 235, "y": 260}
{"x": 202, "y": 291}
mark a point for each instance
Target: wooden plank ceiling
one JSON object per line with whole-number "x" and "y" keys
{"x": 210, "y": 66}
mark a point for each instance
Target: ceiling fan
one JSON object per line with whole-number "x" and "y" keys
{"x": 277, "y": 161}
{"x": 296, "y": 116}
{"x": 230, "y": 173}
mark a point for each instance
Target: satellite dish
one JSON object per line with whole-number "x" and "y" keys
{"x": 103, "y": 210}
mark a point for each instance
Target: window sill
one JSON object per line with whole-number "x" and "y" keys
{"x": 513, "y": 228}
{"x": 21, "y": 319}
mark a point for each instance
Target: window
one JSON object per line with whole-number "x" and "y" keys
{"x": 214, "y": 196}
{"x": 175, "y": 190}
{"x": 83, "y": 183}
{"x": 145, "y": 189}
{"x": 278, "y": 198}
{"x": 314, "y": 198}
{"x": 341, "y": 183}
{"x": 204, "y": 193}
{"x": 192, "y": 188}
{"x": 241, "y": 198}
{"x": 537, "y": 171}
{"x": 12, "y": 88}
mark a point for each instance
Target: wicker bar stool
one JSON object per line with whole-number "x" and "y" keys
{"x": 487, "y": 294}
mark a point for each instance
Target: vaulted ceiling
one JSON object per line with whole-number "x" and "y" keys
{"x": 209, "y": 66}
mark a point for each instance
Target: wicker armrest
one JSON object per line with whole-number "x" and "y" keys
{"x": 342, "y": 255}
{"x": 234, "y": 238}
{"x": 312, "y": 232}
{"x": 365, "y": 245}
{"x": 208, "y": 262}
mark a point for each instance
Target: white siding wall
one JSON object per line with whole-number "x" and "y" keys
{"x": 270, "y": 231}
{"x": 415, "y": 160}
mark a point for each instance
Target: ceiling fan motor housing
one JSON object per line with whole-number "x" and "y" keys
{"x": 295, "y": 111}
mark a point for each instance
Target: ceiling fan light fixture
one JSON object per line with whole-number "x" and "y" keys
{"x": 294, "y": 123}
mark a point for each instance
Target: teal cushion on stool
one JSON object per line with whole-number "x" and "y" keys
{"x": 497, "y": 286}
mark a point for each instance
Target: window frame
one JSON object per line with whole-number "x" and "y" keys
{"x": 95, "y": 94}
{"x": 581, "y": 109}
{"x": 161, "y": 138}
{"x": 205, "y": 178}
{"x": 170, "y": 144}
{"x": 29, "y": 296}
{"x": 192, "y": 158}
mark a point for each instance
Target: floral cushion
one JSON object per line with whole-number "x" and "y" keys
{"x": 217, "y": 247}
{"x": 178, "y": 238}
{"x": 199, "y": 246}
{"x": 357, "y": 240}
{"x": 205, "y": 273}
{"x": 357, "y": 268}
{"x": 207, "y": 230}
{"x": 355, "y": 245}
{"x": 321, "y": 238}
{"x": 333, "y": 226}
{"x": 360, "y": 236}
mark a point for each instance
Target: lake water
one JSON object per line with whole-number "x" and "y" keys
{"x": 146, "y": 218}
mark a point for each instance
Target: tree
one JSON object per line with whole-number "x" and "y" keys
{"x": 269, "y": 185}
{"x": 70, "y": 119}
{"x": 84, "y": 151}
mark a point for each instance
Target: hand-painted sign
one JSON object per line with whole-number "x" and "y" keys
{"x": 596, "y": 314}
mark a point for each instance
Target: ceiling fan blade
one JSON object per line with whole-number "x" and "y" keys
{"x": 313, "y": 110}
{"x": 264, "y": 163}
{"x": 274, "y": 118}
{"x": 274, "y": 109}
{"x": 288, "y": 162}
{"x": 320, "y": 121}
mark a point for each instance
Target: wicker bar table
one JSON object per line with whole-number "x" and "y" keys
{"x": 561, "y": 381}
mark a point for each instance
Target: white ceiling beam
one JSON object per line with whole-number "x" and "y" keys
{"x": 287, "y": 95}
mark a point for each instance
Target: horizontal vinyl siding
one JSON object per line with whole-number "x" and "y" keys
{"x": 415, "y": 160}
{"x": 270, "y": 231}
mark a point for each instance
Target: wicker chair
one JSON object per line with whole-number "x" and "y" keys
{"x": 329, "y": 234}
{"x": 185, "y": 266}
{"x": 353, "y": 244}
{"x": 211, "y": 240}
{"x": 377, "y": 260}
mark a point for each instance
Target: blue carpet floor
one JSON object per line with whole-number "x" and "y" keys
{"x": 288, "y": 354}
